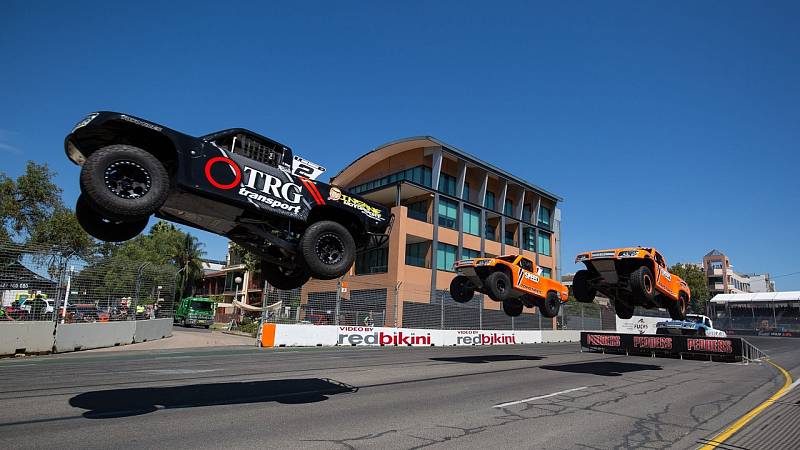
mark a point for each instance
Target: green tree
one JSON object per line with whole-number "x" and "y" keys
{"x": 696, "y": 279}
{"x": 252, "y": 262}
{"x": 188, "y": 255}
{"x": 28, "y": 201}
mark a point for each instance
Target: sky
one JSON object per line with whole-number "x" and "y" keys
{"x": 667, "y": 124}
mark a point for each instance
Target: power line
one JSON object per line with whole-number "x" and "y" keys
{"x": 786, "y": 275}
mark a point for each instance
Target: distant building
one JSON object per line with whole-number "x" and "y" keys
{"x": 722, "y": 279}
{"x": 761, "y": 283}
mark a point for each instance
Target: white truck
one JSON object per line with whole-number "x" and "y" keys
{"x": 694, "y": 325}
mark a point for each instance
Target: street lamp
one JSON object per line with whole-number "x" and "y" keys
{"x": 238, "y": 281}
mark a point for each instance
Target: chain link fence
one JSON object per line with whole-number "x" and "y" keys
{"x": 40, "y": 283}
{"x": 363, "y": 303}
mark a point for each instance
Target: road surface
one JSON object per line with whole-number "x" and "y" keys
{"x": 532, "y": 396}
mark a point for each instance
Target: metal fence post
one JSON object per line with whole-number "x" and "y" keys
{"x": 480, "y": 314}
{"x": 441, "y": 313}
{"x": 338, "y": 301}
{"x": 583, "y": 325}
{"x": 397, "y": 302}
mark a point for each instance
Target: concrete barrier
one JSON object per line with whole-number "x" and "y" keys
{"x": 81, "y": 336}
{"x": 561, "y": 336}
{"x": 150, "y": 330}
{"x": 26, "y": 337}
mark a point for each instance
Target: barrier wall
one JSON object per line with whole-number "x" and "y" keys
{"x": 149, "y": 330}
{"x": 26, "y": 337}
{"x": 81, "y": 336}
{"x": 280, "y": 335}
{"x": 667, "y": 345}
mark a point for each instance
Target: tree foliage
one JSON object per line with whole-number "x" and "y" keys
{"x": 252, "y": 262}
{"x": 696, "y": 279}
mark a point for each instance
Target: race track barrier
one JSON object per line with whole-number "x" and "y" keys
{"x": 302, "y": 335}
{"x": 82, "y": 336}
{"x": 26, "y": 337}
{"x": 150, "y": 330}
{"x": 727, "y": 348}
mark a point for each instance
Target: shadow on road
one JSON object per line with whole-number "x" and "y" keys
{"x": 606, "y": 368}
{"x": 136, "y": 401}
{"x": 481, "y": 359}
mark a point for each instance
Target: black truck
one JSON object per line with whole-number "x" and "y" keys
{"x": 235, "y": 183}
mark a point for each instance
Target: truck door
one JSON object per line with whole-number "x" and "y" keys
{"x": 528, "y": 279}
{"x": 663, "y": 278}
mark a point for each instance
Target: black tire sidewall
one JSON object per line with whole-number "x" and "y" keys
{"x": 108, "y": 204}
{"x": 580, "y": 287}
{"x": 512, "y": 308}
{"x": 623, "y": 310}
{"x": 491, "y": 286}
{"x": 316, "y": 266}
{"x": 459, "y": 291}
{"x": 548, "y": 310}
{"x": 273, "y": 275}
{"x": 94, "y": 224}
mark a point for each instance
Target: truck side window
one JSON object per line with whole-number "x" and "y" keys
{"x": 660, "y": 259}
{"x": 526, "y": 264}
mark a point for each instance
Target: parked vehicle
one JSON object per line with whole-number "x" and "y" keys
{"x": 81, "y": 313}
{"x": 514, "y": 280}
{"x": 631, "y": 277}
{"x": 235, "y": 183}
{"x": 694, "y": 325}
{"x": 195, "y": 311}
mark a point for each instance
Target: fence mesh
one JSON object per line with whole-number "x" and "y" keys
{"x": 47, "y": 283}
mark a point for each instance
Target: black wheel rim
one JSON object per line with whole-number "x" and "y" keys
{"x": 329, "y": 249}
{"x": 552, "y": 302}
{"x": 501, "y": 286}
{"x": 127, "y": 179}
{"x": 648, "y": 284}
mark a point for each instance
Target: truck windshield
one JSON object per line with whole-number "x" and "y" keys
{"x": 200, "y": 306}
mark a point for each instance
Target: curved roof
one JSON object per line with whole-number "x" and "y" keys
{"x": 351, "y": 171}
{"x": 757, "y": 297}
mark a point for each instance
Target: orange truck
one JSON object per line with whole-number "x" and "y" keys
{"x": 514, "y": 280}
{"x": 631, "y": 277}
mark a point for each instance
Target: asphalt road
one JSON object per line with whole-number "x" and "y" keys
{"x": 533, "y": 396}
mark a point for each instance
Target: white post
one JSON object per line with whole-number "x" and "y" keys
{"x": 66, "y": 295}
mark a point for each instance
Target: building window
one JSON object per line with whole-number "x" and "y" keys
{"x": 471, "y": 221}
{"x": 419, "y": 174}
{"x": 508, "y": 208}
{"x": 544, "y": 243}
{"x": 489, "y": 200}
{"x": 445, "y": 256}
{"x": 529, "y": 239}
{"x": 547, "y": 272}
{"x": 418, "y": 210}
{"x": 465, "y": 194}
{"x": 447, "y": 184}
{"x": 416, "y": 254}
{"x": 490, "y": 233}
{"x": 230, "y": 281}
{"x": 544, "y": 217}
{"x": 509, "y": 237}
{"x": 373, "y": 261}
{"x": 526, "y": 213}
{"x": 448, "y": 213}
{"x": 468, "y": 253}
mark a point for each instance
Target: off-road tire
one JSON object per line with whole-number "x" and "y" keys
{"x": 550, "y": 305}
{"x": 498, "y": 286}
{"x": 581, "y": 289}
{"x": 643, "y": 284}
{"x": 105, "y": 229}
{"x": 623, "y": 309}
{"x": 328, "y": 250}
{"x": 103, "y": 182}
{"x": 461, "y": 289}
{"x": 677, "y": 308}
{"x": 512, "y": 307}
{"x": 282, "y": 278}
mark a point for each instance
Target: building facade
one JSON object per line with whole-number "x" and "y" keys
{"x": 722, "y": 279}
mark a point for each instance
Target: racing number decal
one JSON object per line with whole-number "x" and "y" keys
{"x": 237, "y": 173}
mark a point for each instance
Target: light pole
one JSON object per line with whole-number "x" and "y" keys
{"x": 238, "y": 281}
{"x": 156, "y": 306}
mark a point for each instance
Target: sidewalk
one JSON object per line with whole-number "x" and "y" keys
{"x": 185, "y": 339}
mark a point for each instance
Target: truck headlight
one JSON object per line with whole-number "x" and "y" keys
{"x": 628, "y": 253}
{"x": 582, "y": 257}
{"x": 85, "y": 121}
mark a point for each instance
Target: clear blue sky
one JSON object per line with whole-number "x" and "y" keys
{"x": 673, "y": 124}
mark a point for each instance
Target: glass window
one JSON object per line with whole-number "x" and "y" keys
{"x": 547, "y": 272}
{"x": 420, "y": 175}
{"x": 445, "y": 256}
{"x": 418, "y": 210}
{"x": 490, "y": 233}
{"x": 544, "y": 217}
{"x": 373, "y": 261}
{"x": 471, "y": 221}
{"x": 544, "y": 243}
{"x": 447, "y": 184}
{"x": 465, "y": 194}
{"x": 508, "y": 209}
{"x": 448, "y": 213}
{"x": 416, "y": 254}
{"x": 529, "y": 239}
{"x": 526, "y": 213}
{"x": 526, "y": 264}
{"x": 510, "y": 237}
{"x": 489, "y": 200}
{"x": 470, "y": 253}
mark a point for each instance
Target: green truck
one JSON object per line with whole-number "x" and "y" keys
{"x": 195, "y": 311}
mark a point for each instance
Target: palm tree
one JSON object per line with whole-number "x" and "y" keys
{"x": 188, "y": 254}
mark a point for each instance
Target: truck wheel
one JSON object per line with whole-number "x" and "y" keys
{"x": 499, "y": 286}
{"x": 512, "y": 307}
{"x": 461, "y": 289}
{"x": 623, "y": 309}
{"x": 282, "y": 278}
{"x": 677, "y": 309}
{"x": 124, "y": 182}
{"x": 643, "y": 284}
{"x": 550, "y": 305}
{"x": 581, "y": 289}
{"x": 328, "y": 250}
{"x": 105, "y": 229}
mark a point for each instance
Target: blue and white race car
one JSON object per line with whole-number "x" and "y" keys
{"x": 694, "y": 325}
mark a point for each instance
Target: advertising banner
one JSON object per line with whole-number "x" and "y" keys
{"x": 672, "y": 345}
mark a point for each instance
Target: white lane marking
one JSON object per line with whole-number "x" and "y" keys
{"x": 793, "y": 385}
{"x": 503, "y": 405}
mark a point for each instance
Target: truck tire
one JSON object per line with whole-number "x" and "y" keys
{"x": 550, "y": 305}
{"x": 461, "y": 289}
{"x": 284, "y": 279}
{"x": 512, "y": 307}
{"x": 581, "y": 289}
{"x": 105, "y": 229}
{"x": 677, "y": 308}
{"x": 498, "y": 286}
{"x": 123, "y": 182}
{"x": 623, "y": 309}
{"x": 327, "y": 249}
{"x": 643, "y": 284}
